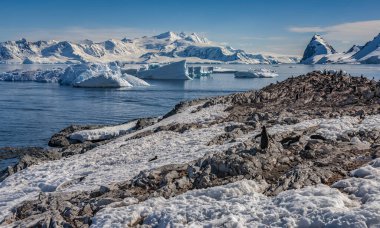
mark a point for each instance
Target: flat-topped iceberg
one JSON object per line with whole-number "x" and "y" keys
{"x": 173, "y": 71}
{"x": 98, "y": 75}
{"x": 256, "y": 73}
{"x": 32, "y": 75}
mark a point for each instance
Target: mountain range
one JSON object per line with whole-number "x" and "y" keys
{"x": 319, "y": 51}
{"x": 165, "y": 47}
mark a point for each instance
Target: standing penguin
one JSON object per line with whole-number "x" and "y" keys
{"x": 264, "y": 140}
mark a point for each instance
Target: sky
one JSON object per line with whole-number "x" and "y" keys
{"x": 268, "y": 26}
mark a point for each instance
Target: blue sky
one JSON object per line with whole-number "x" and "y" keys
{"x": 283, "y": 27}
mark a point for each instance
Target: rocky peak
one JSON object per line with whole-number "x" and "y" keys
{"x": 317, "y": 46}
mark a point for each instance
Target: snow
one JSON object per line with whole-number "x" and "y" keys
{"x": 241, "y": 204}
{"x": 223, "y": 70}
{"x": 107, "y": 164}
{"x": 51, "y": 76}
{"x": 173, "y": 71}
{"x": 256, "y": 73}
{"x": 236, "y": 204}
{"x": 316, "y": 50}
{"x": 98, "y": 75}
{"x": 320, "y": 52}
{"x": 331, "y": 128}
{"x": 134, "y": 81}
{"x": 199, "y": 71}
{"x": 103, "y": 133}
{"x": 93, "y": 75}
{"x": 166, "y": 47}
{"x": 369, "y": 50}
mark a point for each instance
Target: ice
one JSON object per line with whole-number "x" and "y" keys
{"x": 119, "y": 160}
{"x": 98, "y": 75}
{"x": 134, "y": 81}
{"x": 370, "y": 52}
{"x": 236, "y": 204}
{"x": 166, "y": 47}
{"x": 256, "y": 73}
{"x": 103, "y": 133}
{"x": 199, "y": 71}
{"x": 34, "y": 75}
{"x": 241, "y": 204}
{"x": 173, "y": 71}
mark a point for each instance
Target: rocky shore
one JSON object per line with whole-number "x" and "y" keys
{"x": 319, "y": 131}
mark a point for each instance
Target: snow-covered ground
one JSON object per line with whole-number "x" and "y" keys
{"x": 236, "y": 204}
{"x": 241, "y": 204}
{"x": 103, "y": 133}
{"x": 116, "y": 161}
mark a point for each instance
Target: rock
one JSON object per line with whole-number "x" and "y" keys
{"x": 295, "y": 158}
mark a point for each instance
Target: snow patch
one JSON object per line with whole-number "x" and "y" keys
{"x": 103, "y": 133}
{"x": 241, "y": 204}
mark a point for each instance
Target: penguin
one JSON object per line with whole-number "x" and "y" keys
{"x": 264, "y": 142}
{"x": 264, "y": 138}
{"x": 152, "y": 159}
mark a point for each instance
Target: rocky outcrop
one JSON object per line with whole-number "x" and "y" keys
{"x": 13, "y": 160}
{"x": 296, "y": 155}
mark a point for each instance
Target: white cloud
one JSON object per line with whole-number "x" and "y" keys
{"x": 360, "y": 31}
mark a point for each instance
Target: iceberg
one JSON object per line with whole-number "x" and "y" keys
{"x": 256, "y": 73}
{"x": 173, "y": 71}
{"x": 199, "y": 71}
{"x": 50, "y": 76}
{"x": 134, "y": 81}
{"x": 98, "y": 75}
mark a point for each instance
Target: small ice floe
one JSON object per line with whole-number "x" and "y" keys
{"x": 172, "y": 71}
{"x": 221, "y": 70}
{"x": 256, "y": 73}
{"x": 98, "y": 75}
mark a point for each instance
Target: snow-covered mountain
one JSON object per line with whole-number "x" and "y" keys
{"x": 316, "y": 48}
{"x": 320, "y": 52}
{"x": 165, "y": 47}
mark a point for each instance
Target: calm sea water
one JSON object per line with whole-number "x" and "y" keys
{"x": 31, "y": 112}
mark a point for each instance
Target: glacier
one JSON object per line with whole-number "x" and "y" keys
{"x": 319, "y": 51}
{"x": 165, "y": 47}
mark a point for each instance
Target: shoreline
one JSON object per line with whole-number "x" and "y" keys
{"x": 321, "y": 127}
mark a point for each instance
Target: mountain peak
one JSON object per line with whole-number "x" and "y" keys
{"x": 369, "y": 49}
{"x": 167, "y": 35}
{"x": 317, "y": 46}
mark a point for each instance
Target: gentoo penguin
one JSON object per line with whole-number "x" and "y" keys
{"x": 264, "y": 142}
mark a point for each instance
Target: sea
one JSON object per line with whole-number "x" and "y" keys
{"x": 31, "y": 112}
